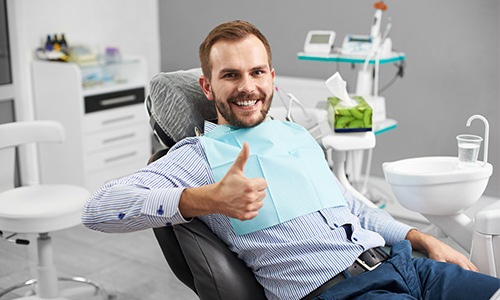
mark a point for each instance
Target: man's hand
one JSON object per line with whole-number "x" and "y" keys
{"x": 235, "y": 196}
{"x": 242, "y": 197}
{"x": 438, "y": 250}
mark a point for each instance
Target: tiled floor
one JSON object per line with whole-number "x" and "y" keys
{"x": 130, "y": 266}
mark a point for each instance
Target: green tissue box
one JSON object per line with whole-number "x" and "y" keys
{"x": 350, "y": 119}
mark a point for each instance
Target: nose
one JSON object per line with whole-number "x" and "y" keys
{"x": 247, "y": 84}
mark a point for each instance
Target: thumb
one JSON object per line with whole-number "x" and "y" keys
{"x": 241, "y": 159}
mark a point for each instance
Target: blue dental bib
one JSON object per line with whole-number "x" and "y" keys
{"x": 288, "y": 158}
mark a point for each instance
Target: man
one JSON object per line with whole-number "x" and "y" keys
{"x": 316, "y": 243}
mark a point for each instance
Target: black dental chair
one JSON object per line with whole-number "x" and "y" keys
{"x": 177, "y": 106}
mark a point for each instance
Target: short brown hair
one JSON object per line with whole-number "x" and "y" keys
{"x": 229, "y": 31}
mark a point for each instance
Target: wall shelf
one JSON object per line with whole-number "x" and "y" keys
{"x": 353, "y": 59}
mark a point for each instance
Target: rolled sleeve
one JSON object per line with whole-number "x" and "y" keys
{"x": 394, "y": 232}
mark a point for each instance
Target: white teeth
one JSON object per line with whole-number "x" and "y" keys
{"x": 246, "y": 103}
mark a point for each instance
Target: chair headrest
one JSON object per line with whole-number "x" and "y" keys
{"x": 177, "y": 105}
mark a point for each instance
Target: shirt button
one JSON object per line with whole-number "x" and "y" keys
{"x": 336, "y": 225}
{"x": 354, "y": 239}
{"x": 160, "y": 210}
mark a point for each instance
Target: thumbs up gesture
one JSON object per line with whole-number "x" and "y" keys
{"x": 235, "y": 196}
{"x": 241, "y": 197}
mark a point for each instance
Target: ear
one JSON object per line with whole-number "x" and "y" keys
{"x": 206, "y": 87}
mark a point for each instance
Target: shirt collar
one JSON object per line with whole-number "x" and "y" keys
{"x": 209, "y": 126}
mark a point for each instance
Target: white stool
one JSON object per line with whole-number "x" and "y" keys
{"x": 38, "y": 209}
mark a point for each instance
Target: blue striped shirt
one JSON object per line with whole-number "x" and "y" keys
{"x": 289, "y": 260}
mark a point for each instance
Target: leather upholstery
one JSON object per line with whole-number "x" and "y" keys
{"x": 205, "y": 264}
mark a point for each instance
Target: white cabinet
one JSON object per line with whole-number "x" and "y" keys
{"x": 102, "y": 110}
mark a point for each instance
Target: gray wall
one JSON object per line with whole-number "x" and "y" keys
{"x": 452, "y": 66}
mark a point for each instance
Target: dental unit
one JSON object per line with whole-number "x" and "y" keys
{"x": 441, "y": 188}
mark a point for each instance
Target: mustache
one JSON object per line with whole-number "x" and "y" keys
{"x": 246, "y": 96}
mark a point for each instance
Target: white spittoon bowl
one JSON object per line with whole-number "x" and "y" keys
{"x": 436, "y": 185}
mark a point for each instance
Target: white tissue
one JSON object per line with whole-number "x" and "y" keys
{"x": 338, "y": 87}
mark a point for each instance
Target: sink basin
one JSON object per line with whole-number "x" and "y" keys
{"x": 436, "y": 185}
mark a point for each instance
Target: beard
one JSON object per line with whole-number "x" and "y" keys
{"x": 225, "y": 109}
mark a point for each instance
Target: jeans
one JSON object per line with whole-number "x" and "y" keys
{"x": 404, "y": 277}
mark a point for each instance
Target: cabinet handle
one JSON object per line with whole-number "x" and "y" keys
{"x": 117, "y": 119}
{"x": 117, "y": 100}
{"x": 123, "y": 156}
{"x": 117, "y": 138}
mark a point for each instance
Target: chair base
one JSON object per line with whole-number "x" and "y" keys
{"x": 98, "y": 289}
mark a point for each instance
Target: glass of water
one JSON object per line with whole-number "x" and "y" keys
{"x": 468, "y": 149}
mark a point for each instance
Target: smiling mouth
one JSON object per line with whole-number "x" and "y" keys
{"x": 246, "y": 103}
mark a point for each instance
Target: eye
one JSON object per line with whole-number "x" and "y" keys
{"x": 259, "y": 72}
{"x": 230, "y": 75}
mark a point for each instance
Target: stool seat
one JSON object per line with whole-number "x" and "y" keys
{"x": 41, "y": 208}
{"x": 38, "y": 208}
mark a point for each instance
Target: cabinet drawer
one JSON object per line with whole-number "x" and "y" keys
{"x": 116, "y": 118}
{"x": 118, "y": 156}
{"x": 115, "y": 137}
{"x": 113, "y": 100}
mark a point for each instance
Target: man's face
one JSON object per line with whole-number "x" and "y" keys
{"x": 242, "y": 82}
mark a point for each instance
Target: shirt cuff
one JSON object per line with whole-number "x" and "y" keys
{"x": 161, "y": 207}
